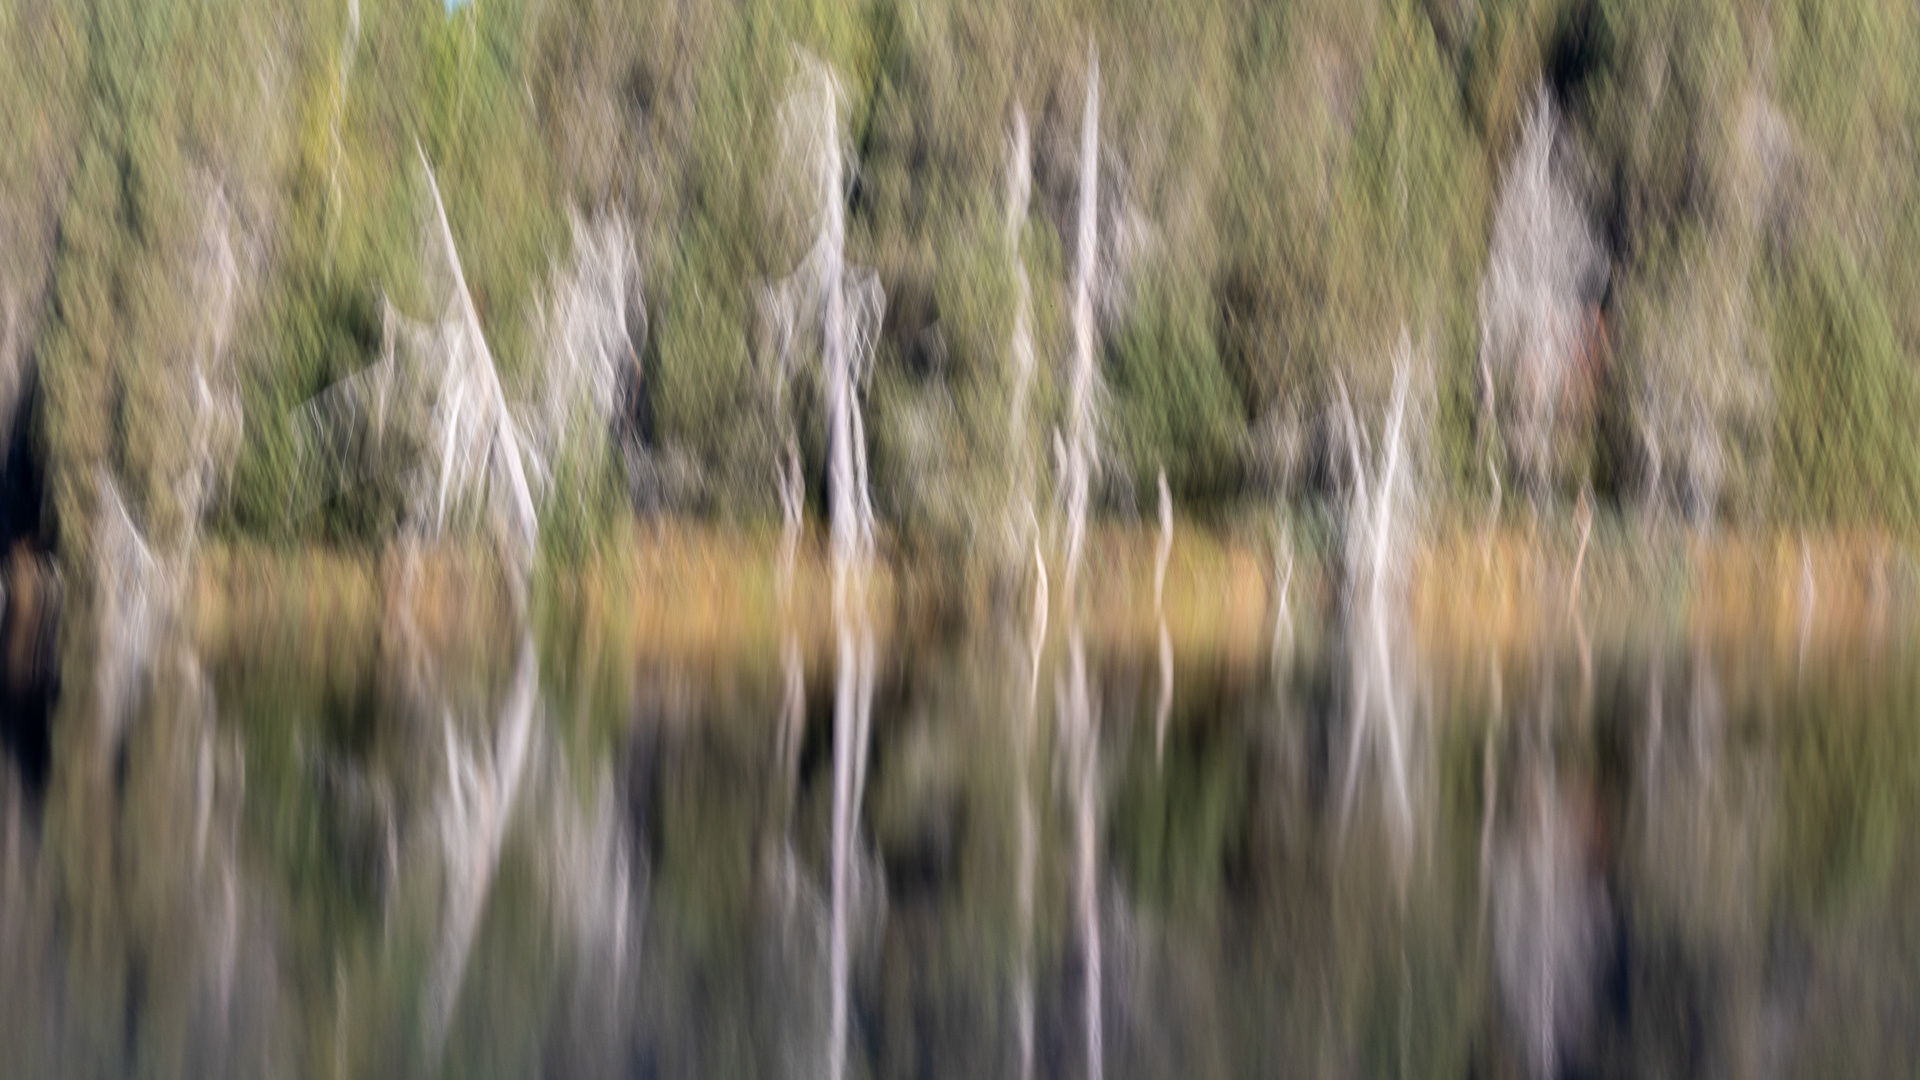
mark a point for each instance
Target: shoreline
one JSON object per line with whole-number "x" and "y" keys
{"x": 677, "y": 591}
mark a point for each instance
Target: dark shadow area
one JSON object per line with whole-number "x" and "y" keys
{"x": 29, "y": 627}
{"x": 1582, "y": 49}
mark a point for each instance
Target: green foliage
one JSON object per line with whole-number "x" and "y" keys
{"x": 1173, "y": 406}
{"x": 707, "y": 395}
{"x": 1844, "y": 448}
{"x": 1285, "y": 190}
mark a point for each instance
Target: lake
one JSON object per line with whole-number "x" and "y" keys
{"x": 918, "y": 854}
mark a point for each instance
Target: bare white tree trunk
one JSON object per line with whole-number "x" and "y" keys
{"x": 1532, "y": 313}
{"x": 1078, "y": 478}
{"x": 493, "y": 442}
{"x": 590, "y": 340}
{"x": 1165, "y": 708}
{"x": 1076, "y": 453}
{"x": 848, "y": 304}
{"x": 1381, "y": 507}
{"x": 1029, "y": 825}
{"x": 1021, "y": 516}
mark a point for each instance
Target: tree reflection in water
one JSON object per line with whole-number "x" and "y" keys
{"x": 1684, "y": 866}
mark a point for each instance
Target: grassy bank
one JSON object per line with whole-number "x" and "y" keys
{"x": 685, "y": 593}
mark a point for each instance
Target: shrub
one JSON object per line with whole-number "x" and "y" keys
{"x": 1843, "y": 447}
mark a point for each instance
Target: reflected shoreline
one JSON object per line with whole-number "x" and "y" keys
{"x": 487, "y": 847}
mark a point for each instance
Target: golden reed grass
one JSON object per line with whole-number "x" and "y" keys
{"x": 680, "y": 592}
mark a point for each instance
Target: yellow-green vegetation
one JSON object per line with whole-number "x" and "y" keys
{"x": 213, "y": 198}
{"x": 1772, "y": 594}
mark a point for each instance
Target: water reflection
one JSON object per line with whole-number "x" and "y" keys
{"x": 1545, "y": 884}
{"x": 482, "y": 784}
{"x": 456, "y": 863}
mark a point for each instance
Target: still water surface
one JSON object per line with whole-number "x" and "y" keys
{"x": 1681, "y": 858}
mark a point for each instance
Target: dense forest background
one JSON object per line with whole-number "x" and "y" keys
{"x": 1662, "y": 254}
